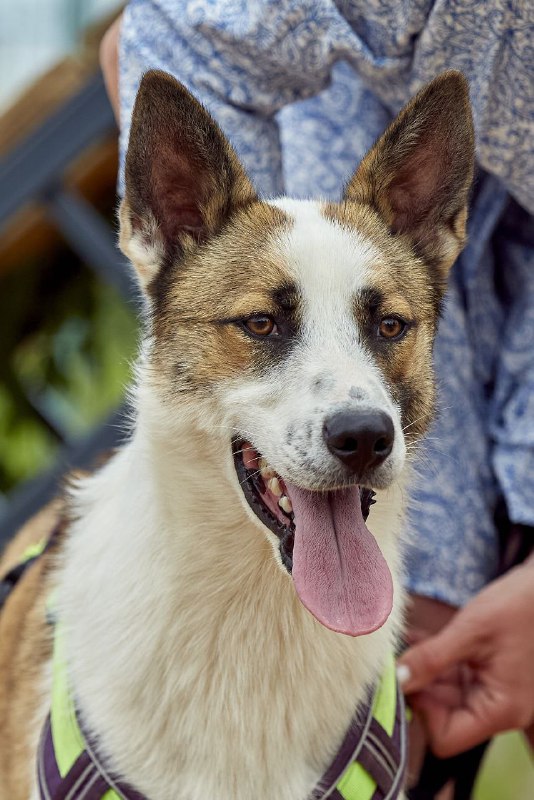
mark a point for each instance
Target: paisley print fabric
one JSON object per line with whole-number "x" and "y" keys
{"x": 302, "y": 89}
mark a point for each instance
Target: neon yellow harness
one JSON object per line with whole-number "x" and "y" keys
{"x": 354, "y": 773}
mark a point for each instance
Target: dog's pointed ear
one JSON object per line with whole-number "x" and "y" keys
{"x": 418, "y": 174}
{"x": 182, "y": 177}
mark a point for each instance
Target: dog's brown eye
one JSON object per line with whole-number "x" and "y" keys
{"x": 391, "y": 327}
{"x": 261, "y": 326}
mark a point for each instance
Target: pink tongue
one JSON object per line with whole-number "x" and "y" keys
{"x": 339, "y": 572}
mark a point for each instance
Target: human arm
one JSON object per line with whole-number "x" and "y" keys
{"x": 109, "y": 62}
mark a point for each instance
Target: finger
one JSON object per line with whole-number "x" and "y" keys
{"x": 424, "y": 662}
{"x": 453, "y": 730}
{"x": 446, "y": 694}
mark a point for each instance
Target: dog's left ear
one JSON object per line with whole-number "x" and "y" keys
{"x": 418, "y": 175}
{"x": 182, "y": 177}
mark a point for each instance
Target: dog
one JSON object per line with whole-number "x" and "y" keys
{"x": 228, "y": 586}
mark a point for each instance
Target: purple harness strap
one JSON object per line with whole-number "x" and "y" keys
{"x": 381, "y": 755}
{"x": 82, "y": 780}
{"x": 366, "y": 742}
{"x": 384, "y": 762}
{"x": 87, "y": 779}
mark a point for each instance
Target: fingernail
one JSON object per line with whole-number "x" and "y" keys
{"x": 404, "y": 674}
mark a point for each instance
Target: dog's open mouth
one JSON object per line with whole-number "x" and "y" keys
{"x": 267, "y": 495}
{"x": 337, "y": 567}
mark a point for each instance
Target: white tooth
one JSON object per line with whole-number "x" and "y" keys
{"x": 285, "y": 504}
{"x": 262, "y": 464}
{"x": 274, "y": 486}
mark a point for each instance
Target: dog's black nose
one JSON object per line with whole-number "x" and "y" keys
{"x": 362, "y": 440}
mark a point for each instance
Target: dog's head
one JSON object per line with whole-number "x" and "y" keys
{"x": 299, "y": 334}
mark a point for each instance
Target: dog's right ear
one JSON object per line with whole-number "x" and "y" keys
{"x": 182, "y": 177}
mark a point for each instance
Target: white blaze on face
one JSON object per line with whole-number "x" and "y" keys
{"x": 330, "y": 266}
{"x": 329, "y": 262}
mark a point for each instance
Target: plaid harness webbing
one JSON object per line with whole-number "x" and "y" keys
{"x": 369, "y": 765}
{"x": 371, "y": 761}
{"x": 87, "y": 779}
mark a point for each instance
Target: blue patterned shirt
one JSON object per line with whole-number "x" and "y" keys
{"x": 302, "y": 89}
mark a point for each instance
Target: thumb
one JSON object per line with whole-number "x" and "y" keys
{"x": 421, "y": 664}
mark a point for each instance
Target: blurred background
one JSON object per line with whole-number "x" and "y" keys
{"x": 68, "y": 314}
{"x": 67, "y": 319}
{"x": 36, "y": 34}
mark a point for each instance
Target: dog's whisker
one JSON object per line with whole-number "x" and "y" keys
{"x": 252, "y": 475}
{"x": 413, "y": 422}
{"x": 239, "y": 431}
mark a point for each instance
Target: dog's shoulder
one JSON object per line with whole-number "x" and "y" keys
{"x": 25, "y": 646}
{"x": 37, "y": 529}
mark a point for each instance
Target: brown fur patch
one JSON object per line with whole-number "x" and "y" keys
{"x": 230, "y": 277}
{"x": 409, "y": 197}
{"x": 194, "y": 229}
{"x": 400, "y": 284}
{"x": 25, "y": 648}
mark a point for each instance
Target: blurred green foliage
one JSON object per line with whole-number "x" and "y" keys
{"x": 508, "y": 771}
{"x": 66, "y": 345}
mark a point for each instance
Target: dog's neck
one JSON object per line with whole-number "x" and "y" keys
{"x": 188, "y": 650}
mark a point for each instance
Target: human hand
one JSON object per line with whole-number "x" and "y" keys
{"x": 475, "y": 677}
